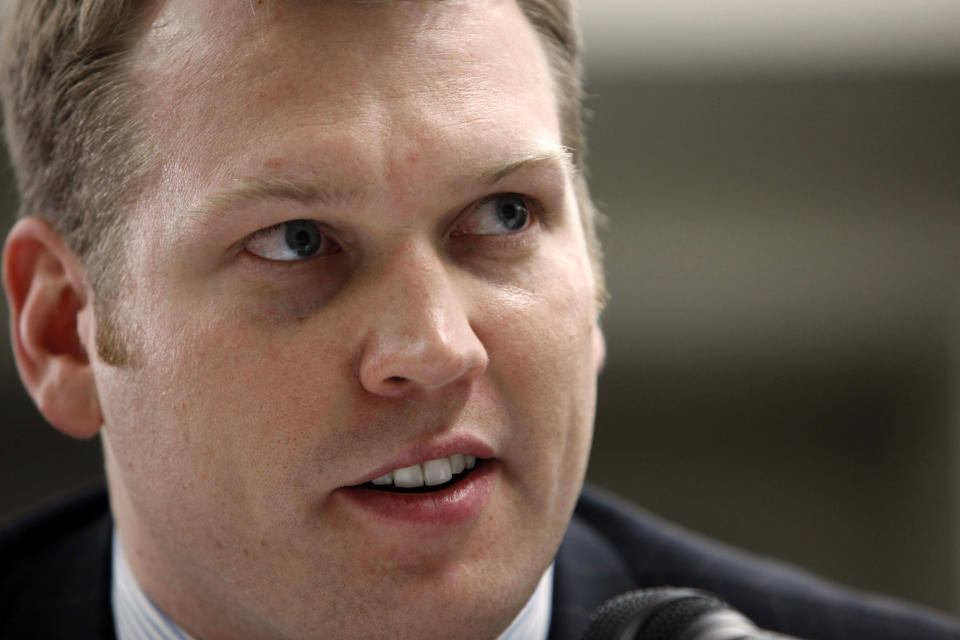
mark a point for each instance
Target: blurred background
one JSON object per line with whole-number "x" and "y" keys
{"x": 782, "y": 181}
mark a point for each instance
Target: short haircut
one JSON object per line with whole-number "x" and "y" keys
{"x": 79, "y": 148}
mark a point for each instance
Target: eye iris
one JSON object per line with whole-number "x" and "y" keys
{"x": 512, "y": 212}
{"x": 303, "y": 237}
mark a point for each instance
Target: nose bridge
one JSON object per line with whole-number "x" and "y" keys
{"x": 419, "y": 270}
{"x": 420, "y": 332}
{"x": 417, "y": 293}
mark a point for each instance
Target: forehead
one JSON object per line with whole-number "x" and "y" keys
{"x": 350, "y": 76}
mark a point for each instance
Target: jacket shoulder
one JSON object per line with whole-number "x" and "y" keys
{"x": 653, "y": 552}
{"x": 55, "y": 572}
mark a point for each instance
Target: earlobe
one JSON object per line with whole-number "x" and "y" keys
{"x": 47, "y": 292}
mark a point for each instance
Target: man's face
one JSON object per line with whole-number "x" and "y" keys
{"x": 362, "y": 253}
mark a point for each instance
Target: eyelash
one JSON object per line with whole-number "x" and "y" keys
{"x": 313, "y": 232}
{"x": 534, "y": 209}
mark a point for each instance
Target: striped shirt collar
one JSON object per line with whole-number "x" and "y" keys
{"x": 137, "y": 618}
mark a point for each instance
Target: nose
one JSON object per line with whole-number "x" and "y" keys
{"x": 420, "y": 335}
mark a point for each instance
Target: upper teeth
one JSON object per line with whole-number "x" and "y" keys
{"x": 430, "y": 473}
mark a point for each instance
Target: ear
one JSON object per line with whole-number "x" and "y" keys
{"x": 48, "y": 293}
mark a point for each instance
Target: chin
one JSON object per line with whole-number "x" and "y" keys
{"x": 476, "y": 607}
{"x": 468, "y": 596}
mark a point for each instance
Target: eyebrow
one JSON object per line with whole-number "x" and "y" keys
{"x": 552, "y": 155}
{"x": 261, "y": 188}
{"x": 243, "y": 190}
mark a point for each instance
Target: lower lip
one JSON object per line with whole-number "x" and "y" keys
{"x": 459, "y": 502}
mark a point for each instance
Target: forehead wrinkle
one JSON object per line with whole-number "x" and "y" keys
{"x": 246, "y": 190}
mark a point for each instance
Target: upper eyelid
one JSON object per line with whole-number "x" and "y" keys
{"x": 533, "y": 204}
{"x": 535, "y": 209}
{"x": 323, "y": 227}
{"x": 329, "y": 239}
{"x": 538, "y": 210}
{"x": 474, "y": 204}
{"x": 265, "y": 230}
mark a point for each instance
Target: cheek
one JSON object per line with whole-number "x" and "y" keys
{"x": 550, "y": 329}
{"x": 542, "y": 359}
{"x": 543, "y": 346}
{"x": 224, "y": 411}
{"x": 271, "y": 411}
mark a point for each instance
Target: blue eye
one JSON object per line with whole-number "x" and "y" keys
{"x": 293, "y": 240}
{"x": 502, "y": 214}
{"x": 303, "y": 237}
{"x": 511, "y": 212}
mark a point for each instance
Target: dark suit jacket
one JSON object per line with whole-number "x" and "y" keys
{"x": 612, "y": 547}
{"x": 55, "y": 578}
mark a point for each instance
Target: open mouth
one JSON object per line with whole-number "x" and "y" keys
{"x": 435, "y": 494}
{"x": 427, "y": 477}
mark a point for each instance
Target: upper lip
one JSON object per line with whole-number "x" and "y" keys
{"x": 428, "y": 450}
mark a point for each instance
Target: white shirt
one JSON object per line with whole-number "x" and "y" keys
{"x": 136, "y": 617}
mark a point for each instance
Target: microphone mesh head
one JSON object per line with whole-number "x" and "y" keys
{"x": 650, "y": 614}
{"x": 672, "y": 618}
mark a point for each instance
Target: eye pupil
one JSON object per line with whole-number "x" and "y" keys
{"x": 303, "y": 237}
{"x": 512, "y": 212}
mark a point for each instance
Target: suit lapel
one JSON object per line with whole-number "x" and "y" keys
{"x": 588, "y": 572}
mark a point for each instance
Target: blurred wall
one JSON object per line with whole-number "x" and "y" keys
{"x": 782, "y": 261}
{"x": 783, "y": 187}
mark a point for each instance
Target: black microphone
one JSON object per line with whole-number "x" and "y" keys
{"x": 669, "y": 613}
